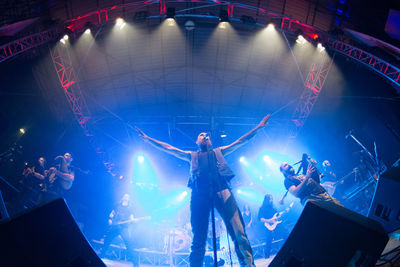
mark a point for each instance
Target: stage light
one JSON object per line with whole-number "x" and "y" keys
{"x": 270, "y": 26}
{"x": 242, "y": 159}
{"x": 89, "y": 28}
{"x": 223, "y": 16}
{"x": 300, "y": 39}
{"x": 223, "y": 135}
{"x": 22, "y": 131}
{"x": 67, "y": 33}
{"x": 170, "y": 13}
{"x": 239, "y": 191}
{"x": 170, "y": 22}
{"x": 320, "y": 47}
{"x": 120, "y": 23}
{"x": 62, "y": 41}
{"x": 140, "y": 159}
{"x": 222, "y": 25}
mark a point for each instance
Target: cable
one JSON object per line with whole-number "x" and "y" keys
{"x": 229, "y": 247}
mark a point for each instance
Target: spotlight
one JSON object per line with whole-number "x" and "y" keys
{"x": 62, "y": 41}
{"x": 242, "y": 159}
{"x": 89, "y": 27}
{"x": 222, "y": 25}
{"x": 270, "y": 26}
{"x": 223, "y": 16}
{"x": 120, "y": 23}
{"x": 66, "y": 37}
{"x": 239, "y": 191}
{"x": 320, "y": 47}
{"x": 68, "y": 32}
{"x": 223, "y": 135}
{"x": 170, "y": 22}
{"x": 140, "y": 159}
{"x": 171, "y": 13}
{"x": 140, "y": 17}
{"x": 22, "y": 131}
{"x": 300, "y": 39}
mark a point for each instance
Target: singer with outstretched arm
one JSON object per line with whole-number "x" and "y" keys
{"x": 209, "y": 180}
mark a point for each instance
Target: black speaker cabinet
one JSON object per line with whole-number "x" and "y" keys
{"x": 45, "y": 236}
{"x": 385, "y": 207}
{"x": 329, "y": 235}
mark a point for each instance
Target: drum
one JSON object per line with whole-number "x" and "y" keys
{"x": 179, "y": 239}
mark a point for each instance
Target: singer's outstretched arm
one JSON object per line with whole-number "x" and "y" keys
{"x": 182, "y": 154}
{"x": 245, "y": 138}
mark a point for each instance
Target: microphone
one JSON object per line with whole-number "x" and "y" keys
{"x": 350, "y": 133}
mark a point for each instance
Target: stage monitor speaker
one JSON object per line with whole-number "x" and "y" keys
{"x": 45, "y": 236}
{"x": 331, "y": 236}
{"x": 385, "y": 206}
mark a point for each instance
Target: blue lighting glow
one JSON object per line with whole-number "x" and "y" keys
{"x": 140, "y": 159}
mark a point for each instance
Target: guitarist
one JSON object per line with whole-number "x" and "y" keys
{"x": 305, "y": 187}
{"x": 265, "y": 214}
{"x": 119, "y": 221}
{"x": 61, "y": 177}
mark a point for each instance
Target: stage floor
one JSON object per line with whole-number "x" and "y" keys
{"x": 112, "y": 263}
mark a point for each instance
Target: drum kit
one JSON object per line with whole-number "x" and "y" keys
{"x": 177, "y": 240}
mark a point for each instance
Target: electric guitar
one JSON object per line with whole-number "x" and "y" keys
{"x": 132, "y": 221}
{"x": 274, "y": 221}
{"x": 61, "y": 167}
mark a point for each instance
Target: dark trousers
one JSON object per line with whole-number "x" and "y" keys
{"x": 112, "y": 232}
{"x": 268, "y": 237}
{"x": 225, "y": 203}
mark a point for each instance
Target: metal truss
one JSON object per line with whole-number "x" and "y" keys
{"x": 66, "y": 75}
{"x": 68, "y": 80}
{"x": 19, "y": 46}
{"x": 382, "y": 67}
{"x": 312, "y": 87}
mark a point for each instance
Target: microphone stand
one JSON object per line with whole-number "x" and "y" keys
{"x": 377, "y": 165}
{"x": 212, "y": 196}
{"x": 362, "y": 146}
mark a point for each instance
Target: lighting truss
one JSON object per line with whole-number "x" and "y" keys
{"x": 312, "y": 87}
{"x": 19, "y": 46}
{"x": 66, "y": 76}
{"x": 382, "y": 67}
{"x": 70, "y": 84}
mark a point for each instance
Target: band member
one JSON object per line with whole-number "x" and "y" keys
{"x": 38, "y": 171}
{"x": 34, "y": 182}
{"x": 61, "y": 177}
{"x": 119, "y": 221}
{"x": 329, "y": 175}
{"x": 304, "y": 187}
{"x": 209, "y": 179}
{"x": 247, "y": 216}
{"x": 265, "y": 214}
